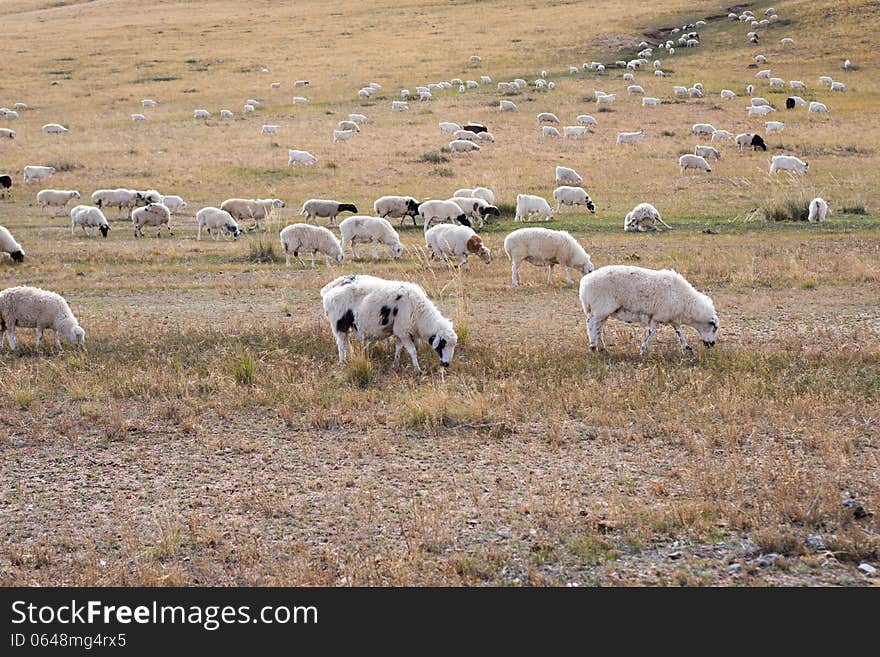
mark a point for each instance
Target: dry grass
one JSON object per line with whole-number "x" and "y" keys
{"x": 208, "y": 435}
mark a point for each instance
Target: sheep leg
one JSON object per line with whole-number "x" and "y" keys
{"x": 463, "y": 262}
{"x": 375, "y": 250}
{"x": 39, "y": 337}
{"x": 287, "y": 257}
{"x": 514, "y": 273}
{"x": 168, "y": 226}
{"x": 57, "y": 341}
{"x": 398, "y": 345}
{"x": 313, "y": 259}
{"x": 651, "y": 328}
{"x": 343, "y": 344}
{"x": 199, "y": 234}
{"x": 10, "y": 335}
{"x": 326, "y": 261}
{"x": 567, "y": 277}
{"x": 682, "y": 341}
{"x": 549, "y": 274}
{"x": 410, "y": 347}
{"x": 354, "y": 251}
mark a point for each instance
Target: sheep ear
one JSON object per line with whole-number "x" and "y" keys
{"x": 433, "y": 341}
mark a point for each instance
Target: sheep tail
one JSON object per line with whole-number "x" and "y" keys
{"x": 664, "y": 223}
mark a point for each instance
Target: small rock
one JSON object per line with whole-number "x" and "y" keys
{"x": 816, "y": 542}
{"x": 767, "y": 560}
{"x": 734, "y": 568}
{"x": 868, "y": 569}
{"x": 856, "y": 507}
{"x": 709, "y": 231}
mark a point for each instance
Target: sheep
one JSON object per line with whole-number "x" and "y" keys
{"x": 253, "y": 101}
{"x": 301, "y": 83}
{"x": 747, "y": 139}
{"x": 300, "y": 157}
{"x": 573, "y": 70}
{"x": 763, "y": 75}
{"x": 363, "y": 230}
{"x": 256, "y": 209}
{"x": 760, "y": 59}
{"x": 201, "y": 114}
{"x": 377, "y": 309}
{"x": 761, "y": 110}
{"x": 703, "y": 129}
{"x": 462, "y": 146}
{"x": 147, "y": 197}
{"x": 571, "y": 196}
{"x": 727, "y": 93}
{"x": 777, "y": 82}
{"x": 299, "y": 100}
{"x": 486, "y": 136}
{"x": 6, "y": 133}
{"x": 88, "y": 217}
{"x": 707, "y": 152}
{"x": 358, "y": 118}
{"x": 275, "y": 85}
{"x": 153, "y": 214}
{"x": 476, "y": 209}
{"x": 54, "y": 129}
{"x": 787, "y": 41}
{"x": 55, "y": 198}
{"x": 32, "y": 307}
{"x": 504, "y": 87}
{"x": 649, "y": 297}
{"x": 485, "y": 79}
{"x": 348, "y": 125}
{"x": 343, "y": 135}
{"x": 788, "y": 163}
{"x": 443, "y": 212}
{"x": 680, "y": 91}
{"x": 635, "y": 89}
{"x": 446, "y": 240}
{"x": 448, "y": 126}
{"x": 5, "y": 184}
{"x": 821, "y": 108}
{"x": 423, "y": 96}
{"x": 797, "y": 84}
{"x": 314, "y": 208}
{"x": 465, "y": 134}
{"x": 216, "y": 221}
{"x": 651, "y": 102}
{"x": 173, "y": 203}
{"x": 472, "y": 84}
{"x": 544, "y": 247}
{"x": 567, "y": 176}
{"x": 659, "y": 74}
{"x": 629, "y": 137}
{"x": 399, "y": 105}
{"x": 794, "y": 101}
{"x": 507, "y": 106}
{"x": 138, "y": 117}
{"x": 818, "y": 210}
{"x": 574, "y": 131}
{"x": 586, "y": 119}
{"x": 304, "y": 238}
{"x": 757, "y": 101}
{"x": 35, "y": 173}
{"x": 722, "y": 134}
{"x": 825, "y": 79}
{"x": 548, "y": 117}
{"x": 750, "y": 89}
{"x": 694, "y": 92}
{"x": 774, "y": 126}
{"x": 226, "y": 114}
{"x": 847, "y": 65}
{"x": 629, "y": 77}
{"x": 477, "y": 192}
{"x": 10, "y": 246}
{"x": 149, "y": 102}
{"x": 605, "y": 99}
{"x": 528, "y": 205}
{"x": 695, "y": 162}
{"x": 9, "y": 114}
{"x": 269, "y": 129}
{"x": 397, "y": 206}
{"x": 248, "y": 109}
{"x": 642, "y": 218}
{"x": 405, "y": 94}
{"x": 838, "y": 86}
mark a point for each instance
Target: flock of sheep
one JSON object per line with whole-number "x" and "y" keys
{"x": 375, "y": 309}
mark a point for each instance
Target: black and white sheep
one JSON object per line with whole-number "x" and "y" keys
{"x": 442, "y": 212}
{"x": 572, "y": 196}
{"x": 476, "y": 209}
{"x": 325, "y": 208}
{"x": 397, "y": 207}
{"x": 90, "y": 219}
{"x": 216, "y": 222}
{"x": 10, "y": 246}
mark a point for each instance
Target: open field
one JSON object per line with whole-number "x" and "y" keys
{"x": 208, "y": 434}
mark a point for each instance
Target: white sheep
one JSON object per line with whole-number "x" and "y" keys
{"x": 787, "y": 41}
{"x": 364, "y": 230}
{"x": 507, "y": 106}
{"x": 462, "y": 146}
{"x": 275, "y": 85}
{"x": 838, "y": 86}
{"x": 543, "y": 247}
{"x": 629, "y": 137}
{"x": 259, "y": 209}
{"x": 303, "y": 238}
{"x": 348, "y": 125}
{"x": 548, "y": 117}
{"x": 475, "y": 209}
{"x": 820, "y": 108}
{"x": 152, "y": 214}
{"x": 818, "y": 210}
{"x": 397, "y": 206}
{"x": 476, "y": 192}
{"x": 797, "y": 84}
{"x": 707, "y": 152}
{"x": 301, "y": 83}
{"x": 777, "y": 82}
{"x": 586, "y": 119}
{"x": 299, "y": 100}
{"x": 722, "y": 134}
{"x": 201, "y": 114}
{"x": 35, "y": 173}
{"x": 642, "y": 218}
{"x": 485, "y": 79}
{"x": 774, "y": 126}
{"x": 6, "y": 133}
{"x": 138, "y": 117}
{"x": 55, "y": 198}
{"x": 703, "y": 129}
{"x": 629, "y": 77}
{"x": 649, "y": 297}
{"x": 574, "y": 131}
{"x": 572, "y": 196}
{"x": 647, "y": 101}
{"x": 270, "y": 129}
{"x": 343, "y": 135}
{"x": 216, "y": 222}
{"x": 8, "y": 113}
{"x": 798, "y": 101}
{"x": 847, "y": 65}
{"x": 528, "y": 205}
{"x": 316, "y": 207}
{"x": 763, "y": 74}
{"x": 605, "y": 99}
{"x": 376, "y": 309}
{"x": 761, "y": 110}
{"x": 635, "y": 89}
{"x": 300, "y": 157}
{"x": 442, "y": 212}
{"x": 695, "y": 162}
{"x": 226, "y": 114}
{"x": 31, "y": 307}
{"x": 788, "y": 163}
{"x": 358, "y": 118}
{"x": 567, "y": 176}
{"x": 448, "y": 126}
{"x": 659, "y": 73}
{"x": 825, "y": 79}
{"x": 90, "y": 219}
{"x": 149, "y": 102}
{"x": 399, "y": 105}
{"x": 446, "y": 240}
{"x": 485, "y": 135}
{"x": 465, "y": 134}
{"x": 679, "y": 91}
{"x": 10, "y": 246}
{"x": 727, "y": 93}
{"x": 54, "y": 129}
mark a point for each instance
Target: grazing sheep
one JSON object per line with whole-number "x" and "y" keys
{"x": 358, "y": 118}
{"x": 651, "y": 102}
{"x": 55, "y": 198}
{"x": 465, "y": 134}
{"x": 507, "y": 106}
{"x": 6, "y": 133}
{"x": 477, "y": 192}
{"x": 761, "y": 110}
{"x": 707, "y": 152}
{"x": 763, "y": 75}
{"x": 363, "y": 230}
{"x": 153, "y": 214}
{"x": 399, "y": 105}
{"x": 54, "y": 129}
{"x": 727, "y": 93}
{"x": 486, "y": 136}
{"x": 314, "y": 208}
{"x": 777, "y": 82}
{"x": 544, "y": 247}
{"x": 226, "y": 114}
{"x": 445, "y": 240}
{"x": 149, "y": 102}
{"x": 275, "y": 85}
{"x": 797, "y": 84}
{"x": 649, "y": 297}
{"x": 216, "y": 221}
{"x": 629, "y": 137}
{"x": 586, "y": 119}
{"x": 679, "y": 91}
{"x": 447, "y": 126}
{"x": 304, "y": 238}
{"x": 550, "y": 131}
{"x": 547, "y": 117}
{"x": 825, "y": 79}
{"x": 847, "y": 65}
{"x": 605, "y": 99}
{"x": 774, "y": 126}
{"x": 747, "y": 139}
{"x": 269, "y": 129}
{"x": 397, "y": 206}
{"x": 475, "y": 127}
{"x": 204, "y": 114}
{"x": 173, "y": 202}
{"x": 300, "y": 157}
{"x": 695, "y": 162}
{"x": 377, "y": 309}
{"x": 88, "y": 217}
{"x": 787, "y": 41}
{"x": 348, "y": 125}
{"x": 8, "y": 113}
{"x": 462, "y": 146}
{"x": 301, "y": 83}
{"x": 258, "y": 210}
{"x": 567, "y": 176}
{"x": 476, "y": 209}
{"x": 818, "y": 210}
{"x": 635, "y": 89}
{"x": 629, "y": 77}
{"x": 788, "y": 163}
{"x": 343, "y": 135}
{"x": 138, "y": 117}
{"x": 120, "y": 198}
{"x": 5, "y": 184}
{"x": 528, "y": 205}
{"x": 34, "y": 173}
{"x": 838, "y": 86}
{"x": 820, "y": 108}
{"x": 31, "y": 307}
{"x": 485, "y": 79}
{"x": 659, "y": 74}
{"x": 10, "y": 246}
{"x": 442, "y": 212}
{"x": 642, "y": 218}
{"x": 299, "y": 100}
{"x": 472, "y": 84}
{"x": 722, "y": 134}
{"x": 703, "y": 129}
{"x": 571, "y": 196}
{"x": 574, "y": 131}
